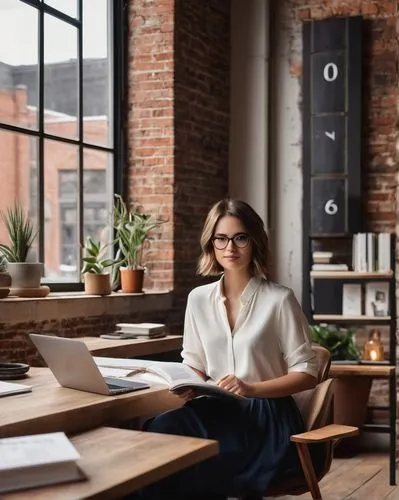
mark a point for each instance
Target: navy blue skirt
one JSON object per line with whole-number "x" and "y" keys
{"x": 254, "y": 440}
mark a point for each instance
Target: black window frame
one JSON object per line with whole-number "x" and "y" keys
{"x": 119, "y": 20}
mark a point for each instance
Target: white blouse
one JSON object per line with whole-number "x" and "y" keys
{"x": 270, "y": 337}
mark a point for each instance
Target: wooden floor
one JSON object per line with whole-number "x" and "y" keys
{"x": 364, "y": 477}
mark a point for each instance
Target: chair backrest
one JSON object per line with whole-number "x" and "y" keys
{"x": 324, "y": 359}
{"x": 315, "y": 404}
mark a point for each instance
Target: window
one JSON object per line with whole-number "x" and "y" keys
{"x": 95, "y": 215}
{"x": 61, "y": 86}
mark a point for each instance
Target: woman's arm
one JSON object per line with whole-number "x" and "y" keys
{"x": 276, "y": 388}
{"x": 282, "y": 386}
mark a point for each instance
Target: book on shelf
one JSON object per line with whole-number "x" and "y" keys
{"x": 37, "y": 460}
{"x": 351, "y": 299}
{"x": 377, "y": 299}
{"x": 320, "y": 257}
{"x": 330, "y": 267}
{"x": 176, "y": 376}
{"x": 9, "y": 388}
{"x": 371, "y": 252}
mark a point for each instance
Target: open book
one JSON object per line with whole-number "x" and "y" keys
{"x": 36, "y": 460}
{"x": 177, "y": 376}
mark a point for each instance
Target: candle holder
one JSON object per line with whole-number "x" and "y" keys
{"x": 373, "y": 349}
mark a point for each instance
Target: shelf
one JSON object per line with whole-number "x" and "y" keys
{"x": 362, "y": 370}
{"x": 351, "y": 275}
{"x": 330, "y": 318}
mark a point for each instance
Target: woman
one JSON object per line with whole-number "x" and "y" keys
{"x": 250, "y": 335}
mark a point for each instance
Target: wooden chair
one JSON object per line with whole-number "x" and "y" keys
{"x": 316, "y": 406}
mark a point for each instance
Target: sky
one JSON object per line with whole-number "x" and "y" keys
{"x": 19, "y": 32}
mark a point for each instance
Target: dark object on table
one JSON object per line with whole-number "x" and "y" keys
{"x": 13, "y": 371}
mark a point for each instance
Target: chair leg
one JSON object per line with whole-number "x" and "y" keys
{"x": 308, "y": 470}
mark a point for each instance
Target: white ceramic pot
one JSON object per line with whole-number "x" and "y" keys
{"x": 25, "y": 274}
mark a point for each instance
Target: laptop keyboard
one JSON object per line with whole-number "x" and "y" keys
{"x": 116, "y": 389}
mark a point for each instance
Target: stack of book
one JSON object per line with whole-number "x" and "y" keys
{"x": 324, "y": 261}
{"x": 137, "y": 330}
{"x": 37, "y": 460}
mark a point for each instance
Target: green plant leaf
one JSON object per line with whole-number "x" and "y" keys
{"x": 340, "y": 342}
{"x": 20, "y": 231}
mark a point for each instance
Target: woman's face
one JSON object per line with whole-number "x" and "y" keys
{"x": 233, "y": 254}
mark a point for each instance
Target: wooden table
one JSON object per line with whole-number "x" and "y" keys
{"x": 137, "y": 460}
{"x": 50, "y": 408}
{"x": 351, "y": 396}
{"x": 132, "y": 347}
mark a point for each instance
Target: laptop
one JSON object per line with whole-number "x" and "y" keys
{"x": 73, "y": 366}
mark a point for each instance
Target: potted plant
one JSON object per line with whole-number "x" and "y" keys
{"x": 340, "y": 342}
{"x": 5, "y": 278}
{"x": 21, "y": 234}
{"x": 97, "y": 281}
{"x": 351, "y": 392}
{"x": 131, "y": 232}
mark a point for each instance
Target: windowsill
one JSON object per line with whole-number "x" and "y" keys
{"x": 66, "y": 305}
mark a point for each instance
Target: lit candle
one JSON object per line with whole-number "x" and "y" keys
{"x": 373, "y": 348}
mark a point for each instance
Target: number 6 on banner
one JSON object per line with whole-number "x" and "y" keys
{"x": 331, "y": 207}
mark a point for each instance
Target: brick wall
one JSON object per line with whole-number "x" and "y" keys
{"x": 178, "y": 122}
{"x": 72, "y": 317}
{"x": 202, "y": 119}
{"x": 16, "y": 346}
{"x": 150, "y": 168}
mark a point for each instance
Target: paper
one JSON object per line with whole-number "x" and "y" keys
{"x": 7, "y": 388}
{"x": 116, "y": 372}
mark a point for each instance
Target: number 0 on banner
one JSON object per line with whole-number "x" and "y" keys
{"x": 330, "y": 72}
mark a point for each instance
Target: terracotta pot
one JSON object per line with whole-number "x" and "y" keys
{"x": 97, "y": 284}
{"x": 132, "y": 280}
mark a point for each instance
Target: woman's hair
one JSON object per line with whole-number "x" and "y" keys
{"x": 207, "y": 264}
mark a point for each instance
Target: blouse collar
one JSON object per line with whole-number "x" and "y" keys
{"x": 247, "y": 293}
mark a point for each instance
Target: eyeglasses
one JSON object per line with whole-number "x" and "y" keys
{"x": 240, "y": 240}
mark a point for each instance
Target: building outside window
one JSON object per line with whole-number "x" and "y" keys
{"x": 61, "y": 83}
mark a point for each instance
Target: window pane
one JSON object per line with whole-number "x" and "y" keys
{"x": 19, "y": 168}
{"x": 61, "y": 211}
{"x": 97, "y": 194}
{"x": 97, "y": 72}
{"x": 18, "y": 63}
{"x": 60, "y": 77}
{"x": 69, "y": 7}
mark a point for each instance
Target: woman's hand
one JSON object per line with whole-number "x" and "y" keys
{"x": 233, "y": 384}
